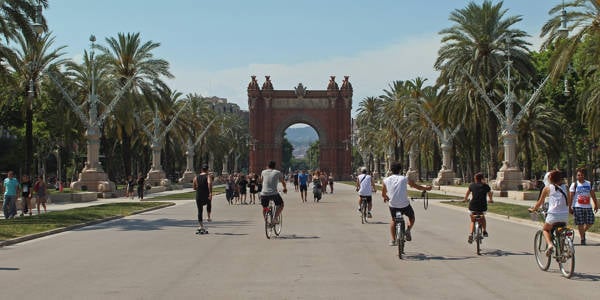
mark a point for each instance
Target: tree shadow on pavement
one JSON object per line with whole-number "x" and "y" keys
{"x": 498, "y": 252}
{"x": 296, "y": 237}
{"x": 423, "y": 257}
{"x": 162, "y": 224}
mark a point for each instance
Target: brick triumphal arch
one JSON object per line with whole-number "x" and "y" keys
{"x": 327, "y": 111}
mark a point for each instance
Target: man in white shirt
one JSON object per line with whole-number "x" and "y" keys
{"x": 395, "y": 190}
{"x": 581, "y": 194}
{"x": 365, "y": 188}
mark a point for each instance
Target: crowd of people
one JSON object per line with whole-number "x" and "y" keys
{"x": 25, "y": 190}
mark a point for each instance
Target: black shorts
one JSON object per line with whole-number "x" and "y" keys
{"x": 369, "y": 199}
{"x": 264, "y": 200}
{"x": 303, "y": 187}
{"x": 407, "y": 211}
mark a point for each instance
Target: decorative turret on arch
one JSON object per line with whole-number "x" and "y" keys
{"x": 327, "y": 111}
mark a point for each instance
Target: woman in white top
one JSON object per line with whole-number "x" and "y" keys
{"x": 555, "y": 195}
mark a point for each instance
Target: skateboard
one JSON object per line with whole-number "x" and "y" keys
{"x": 202, "y": 231}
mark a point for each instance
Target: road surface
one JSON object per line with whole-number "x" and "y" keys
{"x": 324, "y": 253}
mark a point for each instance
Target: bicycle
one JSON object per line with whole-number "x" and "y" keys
{"x": 478, "y": 232}
{"x": 425, "y": 198}
{"x": 400, "y": 232}
{"x": 270, "y": 228}
{"x": 364, "y": 208}
{"x": 562, "y": 242}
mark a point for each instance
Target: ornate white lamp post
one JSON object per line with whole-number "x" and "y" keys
{"x": 92, "y": 177}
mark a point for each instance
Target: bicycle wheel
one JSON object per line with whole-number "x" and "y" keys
{"x": 426, "y": 201}
{"x": 400, "y": 237}
{"x": 277, "y": 227}
{"x": 478, "y": 237}
{"x": 566, "y": 261}
{"x": 363, "y": 211}
{"x": 268, "y": 221}
{"x": 539, "y": 248}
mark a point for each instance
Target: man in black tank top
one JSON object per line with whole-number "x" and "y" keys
{"x": 203, "y": 187}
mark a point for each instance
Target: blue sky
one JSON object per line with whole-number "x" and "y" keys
{"x": 214, "y": 46}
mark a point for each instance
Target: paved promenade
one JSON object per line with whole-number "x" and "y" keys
{"x": 324, "y": 252}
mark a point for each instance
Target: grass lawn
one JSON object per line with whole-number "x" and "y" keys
{"x": 22, "y": 226}
{"x": 519, "y": 211}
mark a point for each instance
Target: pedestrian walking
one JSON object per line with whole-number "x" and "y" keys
{"x": 11, "y": 190}
{"x": 140, "y": 186}
{"x": 26, "y": 190}
{"x": 581, "y": 193}
{"x": 41, "y": 193}
{"x": 130, "y": 187}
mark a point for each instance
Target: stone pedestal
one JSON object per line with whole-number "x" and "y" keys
{"x": 95, "y": 181}
{"x": 157, "y": 178}
{"x": 445, "y": 177}
{"x": 412, "y": 175}
{"x": 187, "y": 177}
{"x": 508, "y": 180}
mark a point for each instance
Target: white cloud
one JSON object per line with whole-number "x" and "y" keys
{"x": 370, "y": 72}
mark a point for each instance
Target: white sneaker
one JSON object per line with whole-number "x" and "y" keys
{"x": 393, "y": 243}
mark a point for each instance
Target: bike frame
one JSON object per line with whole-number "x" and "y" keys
{"x": 478, "y": 232}
{"x": 400, "y": 232}
{"x": 364, "y": 207}
{"x": 562, "y": 242}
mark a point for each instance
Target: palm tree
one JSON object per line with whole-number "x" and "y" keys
{"x": 582, "y": 20}
{"x": 31, "y": 58}
{"x": 17, "y": 17}
{"x": 128, "y": 57}
{"x": 368, "y": 123}
{"x": 476, "y": 44}
{"x": 573, "y": 36}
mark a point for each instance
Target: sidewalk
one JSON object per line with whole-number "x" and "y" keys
{"x": 69, "y": 205}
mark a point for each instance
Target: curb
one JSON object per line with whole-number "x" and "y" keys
{"x": 77, "y": 226}
{"x": 535, "y": 224}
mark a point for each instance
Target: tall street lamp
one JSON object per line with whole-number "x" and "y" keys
{"x": 38, "y": 28}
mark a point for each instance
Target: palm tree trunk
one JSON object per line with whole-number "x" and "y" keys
{"x": 493, "y": 142}
{"x": 527, "y": 166}
{"x": 477, "y": 149}
{"x": 29, "y": 139}
{"x": 126, "y": 152}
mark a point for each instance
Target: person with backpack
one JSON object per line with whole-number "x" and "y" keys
{"x": 581, "y": 192}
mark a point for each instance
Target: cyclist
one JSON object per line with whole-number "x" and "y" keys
{"x": 395, "y": 191}
{"x": 581, "y": 192}
{"x": 558, "y": 205}
{"x": 365, "y": 186}
{"x": 478, "y": 205}
{"x": 269, "y": 179}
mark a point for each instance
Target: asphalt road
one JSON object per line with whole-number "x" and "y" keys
{"x": 324, "y": 252}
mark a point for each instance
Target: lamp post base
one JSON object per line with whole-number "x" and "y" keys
{"x": 95, "y": 181}
{"x": 187, "y": 178}
{"x": 157, "y": 178}
{"x": 508, "y": 180}
{"x": 445, "y": 177}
